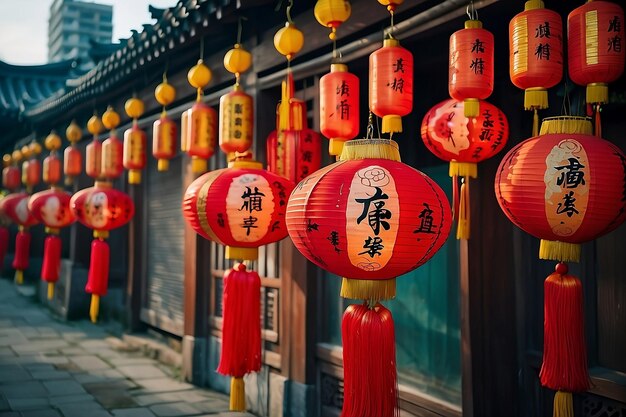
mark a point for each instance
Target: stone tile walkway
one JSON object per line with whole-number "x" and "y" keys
{"x": 50, "y": 368}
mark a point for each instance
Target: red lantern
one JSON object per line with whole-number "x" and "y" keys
{"x": 565, "y": 187}
{"x": 391, "y": 84}
{"x": 164, "y": 132}
{"x": 236, "y": 121}
{"x": 72, "y": 159}
{"x": 134, "y": 159}
{"x": 271, "y": 154}
{"x": 16, "y": 208}
{"x": 339, "y": 107}
{"x": 368, "y": 218}
{"x": 112, "y": 148}
{"x": 52, "y": 163}
{"x": 11, "y": 177}
{"x": 52, "y": 208}
{"x": 471, "y": 65}
{"x": 595, "y": 49}
{"x": 31, "y": 167}
{"x": 199, "y": 135}
{"x": 536, "y": 54}
{"x": 303, "y": 154}
{"x": 100, "y": 208}
{"x": 93, "y": 152}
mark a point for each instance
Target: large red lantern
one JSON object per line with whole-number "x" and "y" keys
{"x": 93, "y": 151}
{"x": 391, "y": 84}
{"x": 339, "y": 107}
{"x": 368, "y": 218}
{"x": 595, "y": 37}
{"x": 11, "y": 177}
{"x": 471, "y": 65}
{"x": 15, "y": 206}
{"x": 72, "y": 159}
{"x": 134, "y": 149}
{"x": 164, "y": 130}
{"x": 565, "y": 187}
{"x": 464, "y": 142}
{"x": 102, "y": 209}
{"x": 112, "y": 148}
{"x": 536, "y": 54}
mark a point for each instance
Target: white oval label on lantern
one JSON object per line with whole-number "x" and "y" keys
{"x": 249, "y": 207}
{"x": 372, "y": 217}
{"x": 567, "y": 180}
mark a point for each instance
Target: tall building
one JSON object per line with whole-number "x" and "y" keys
{"x": 73, "y": 23}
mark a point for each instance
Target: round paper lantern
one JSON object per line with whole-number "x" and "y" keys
{"x": 101, "y": 208}
{"x": 15, "y": 206}
{"x": 11, "y": 176}
{"x": 93, "y": 152}
{"x": 164, "y": 130}
{"x": 339, "y": 107}
{"x": 72, "y": 158}
{"x": 236, "y": 121}
{"x": 331, "y": 14}
{"x": 391, "y": 5}
{"x": 288, "y": 41}
{"x": 391, "y": 84}
{"x": 471, "y": 65}
{"x": 134, "y": 149}
{"x": 52, "y": 163}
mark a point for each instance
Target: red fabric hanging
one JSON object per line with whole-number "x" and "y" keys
{"x": 98, "y": 277}
{"x": 51, "y": 266}
{"x": 22, "y": 249}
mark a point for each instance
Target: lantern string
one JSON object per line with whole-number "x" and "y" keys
{"x": 334, "y": 49}
{"x": 370, "y": 126}
{"x": 202, "y": 48}
{"x": 289, "y": 6}
{"x": 471, "y": 11}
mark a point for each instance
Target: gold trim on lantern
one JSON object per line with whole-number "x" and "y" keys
{"x": 367, "y": 289}
{"x": 369, "y": 149}
{"x": 392, "y": 123}
{"x": 163, "y": 165}
{"x": 473, "y": 24}
{"x": 566, "y": 125}
{"x": 463, "y": 169}
{"x": 555, "y": 250}
{"x": 471, "y": 107}
{"x": 597, "y": 93}
{"x": 520, "y": 45}
{"x": 535, "y": 98}
{"x": 591, "y": 37}
{"x": 237, "y": 395}
{"x": 533, "y": 5}
{"x": 250, "y": 164}
{"x": 52, "y": 230}
{"x": 101, "y": 234}
{"x": 201, "y": 202}
{"x": 244, "y": 254}
{"x": 390, "y": 42}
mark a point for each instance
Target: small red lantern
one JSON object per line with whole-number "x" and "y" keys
{"x": 16, "y": 208}
{"x": 236, "y": 121}
{"x": 565, "y": 187}
{"x": 302, "y": 150}
{"x": 72, "y": 159}
{"x": 31, "y": 167}
{"x": 471, "y": 65}
{"x": 391, "y": 84}
{"x": 11, "y": 176}
{"x": 112, "y": 148}
{"x": 100, "y": 208}
{"x": 536, "y": 54}
{"x": 52, "y": 163}
{"x": 134, "y": 149}
{"x": 93, "y": 152}
{"x": 339, "y": 107}
{"x": 164, "y": 130}
{"x": 368, "y": 218}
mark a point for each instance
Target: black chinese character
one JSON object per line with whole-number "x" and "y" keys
{"x": 310, "y": 226}
{"x": 344, "y": 109}
{"x": 615, "y": 25}
{"x": 343, "y": 89}
{"x": 542, "y": 51}
{"x": 307, "y": 156}
{"x": 571, "y": 175}
{"x": 238, "y": 121}
{"x": 478, "y": 65}
{"x": 220, "y": 220}
{"x": 333, "y": 238}
{"x": 477, "y": 151}
{"x": 426, "y": 220}
{"x": 397, "y": 84}
{"x": 543, "y": 31}
{"x": 376, "y": 217}
{"x": 478, "y": 46}
{"x": 373, "y": 246}
{"x": 238, "y": 108}
{"x": 248, "y": 223}
{"x": 252, "y": 200}
{"x": 567, "y": 206}
{"x": 399, "y": 65}
{"x": 615, "y": 44}
{"x": 485, "y": 134}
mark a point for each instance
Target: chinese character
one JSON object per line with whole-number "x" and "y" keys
{"x": 543, "y": 51}
{"x": 373, "y": 246}
{"x": 238, "y": 121}
{"x": 478, "y": 46}
{"x": 276, "y": 225}
{"x": 477, "y": 151}
{"x": 333, "y": 238}
{"x": 311, "y": 226}
{"x": 375, "y": 218}
{"x": 571, "y": 175}
{"x": 344, "y": 110}
{"x": 615, "y": 44}
{"x": 567, "y": 206}
{"x": 343, "y": 89}
{"x": 615, "y": 25}
{"x": 307, "y": 156}
{"x": 248, "y": 223}
{"x": 399, "y": 66}
{"x": 426, "y": 222}
{"x": 478, "y": 65}
{"x": 252, "y": 200}
{"x": 486, "y": 134}
{"x": 238, "y": 108}
{"x": 543, "y": 31}
{"x": 397, "y": 84}
{"x": 220, "y": 220}
{"x": 308, "y": 138}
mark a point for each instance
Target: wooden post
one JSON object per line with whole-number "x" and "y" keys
{"x": 136, "y": 260}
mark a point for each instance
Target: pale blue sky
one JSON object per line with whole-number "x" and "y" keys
{"x": 24, "y": 25}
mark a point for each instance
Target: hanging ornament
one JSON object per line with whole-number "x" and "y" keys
{"x": 471, "y": 63}
{"x": 16, "y": 208}
{"x": 391, "y": 5}
{"x": 134, "y": 149}
{"x": 164, "y": 130}
{"x": 93, "y": 152}
{"x": 31, "y": 167}
{"x": 112, "y": 148}
{"x": 199, "y": 131}
{"x": 368, "y": 218}
{"x": 52, "y": 163}
{"x": 564, "y": 187}
{"x": 536, "y": 55}
{"x": 101, "y": 208}
{"x": 331, "y": 14}
{"x": 72, "y": 158}
{"x": 595, "y": 52}
{"x": 241, "y": 207}
{"x": 11, "y": 176}
{"x": 464, "y": 142}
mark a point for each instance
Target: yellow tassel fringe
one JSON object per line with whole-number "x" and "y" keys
{"x": 163, "y": 165}
{"x": 361, "y": 289}
{"x": 559, "y": 251}
{"x": 566, "y": 124}
{"x": 392, "y": 123}
{"x": 563, "y": 404}
{"x": 463, "y": 225}
{"x": 242, "y": 254}
{"x": 471, "y": 107}
{"x": 597, "y": 93}
{"x": 463, "y": 169}
{"x": 237, "y": 394}
{"x": 19, "y": 276}
{"x": 370, "y": 148}
{"x": 50, "y": 290}
{"x": 94, "y": 308}
{"x": 535, "y": 98}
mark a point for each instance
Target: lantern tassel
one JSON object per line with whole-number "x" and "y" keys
{"x": 50, "y": 290}
{"x": 598, "y": 121}
{"x": 4, "y": 245}
{"x": 555, "y": 250}
{"x": 20, "y": 260}
{"x": 463, "y": 225}
{"x": 563, "y": 404}
{"x": 369, "y": 149}
{"x": 237, "y": 395}
{"x": 380, "y": 289}
{"x": 369, "y": 360}
{"x": 535, "y": 123}
{"x": 471, "y": 107}
{"x": 455, "y": 197}
{"x": 51, "y": 265}
{"x": 94, "y": 308}
{"x": 98, "y": 277}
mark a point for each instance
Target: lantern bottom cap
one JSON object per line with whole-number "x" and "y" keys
{"x": 52, "y": 230}
{"x": 101, "y": 234}
{"x": 471, "y": 107}
{"x": 94, "y": 308}
{"x": 597, "y": 93}
{"x": 199, "y": 165}
{"x": 134, "y": 176}
{"x": 163, "y": 165}
{"x": 237, "y": 394}
{"x": 69, "y": 180}
{"x": 559, "y": 251}
{"x": 392, "y": 123}
{"x": 535, "y": 98}
{"x": 362, "y": 289}
{"x": 19, "y": 277}
{"x": 244, "y": 254}
{"x": 463, "y": 169}
{"x": 335, "y": 146}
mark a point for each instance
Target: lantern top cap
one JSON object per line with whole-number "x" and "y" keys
{"x": 566, "y": 124}
{"x": 533, "y": 5}
{"x": 102, "y": 184}
{"x": 473, "y": 24}
{"x": 338, "y": 68}
{"x": 390, "y": 42}
{"x": 370, "y": 149}
{"x": 249, "y": 163}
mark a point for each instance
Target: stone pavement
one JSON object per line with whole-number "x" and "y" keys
{"x": 50, "y": 368}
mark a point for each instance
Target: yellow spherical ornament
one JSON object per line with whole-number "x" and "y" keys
{"x": 332, "y": 13}
{"x": 73, "y": 132}
{"x": 35, "y": 148}
{"x": 237, "y": 60}
{"x": 52, "y": 142}
{"x": 25, "y": 151}
{"x": 94, "y": 125}
{"x": 391, "y": 4}
{"x": 199, "y": 75}
{"x": 288, "y": 41}
{"x": 17, "y": 155}
{"x": 110, "y": 118}
{"x": 165, "y": 93}
{"x": 6, "y": 159}
{"x": 134, "y": 107}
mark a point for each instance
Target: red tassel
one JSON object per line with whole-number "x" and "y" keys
{"x": 564, "y": 365}
{"x": 98, "y": 278}
{"x": 51, "y": 266}
{"x": 241, "y": 329}
{"x": 370, "y": 384}
{"x": 598, "y": 121}
{"x": 22, "y": 249}
{"x": 4, "y": 244}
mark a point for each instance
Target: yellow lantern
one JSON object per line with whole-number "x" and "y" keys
{"x": 134, "y": 158}
{"x": 331, "y": 14}
{"x": 288, "y": 41}
{"x": 111, "y": 164}
{"x": 93, "y": 152}
{"x": 164, "y": 130}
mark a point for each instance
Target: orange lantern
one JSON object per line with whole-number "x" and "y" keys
{"x": 11, "y": 177}
{"x": 368, "y": 218}
{"x": 100, "y": 208}
{"x": 93, "y": 152}
{"x": 391, "y": 84}
{"x": 565, "y": 187}
{"x": 471, "y": 64}
{"x": 72, "y": 159}
{"x": 134, "y": 149}
{"x": 339, "y": 107}
{"x": 52, "y": 163}
{"x": 595, "y": 49}
{"x": 536, "y": 54}
{"x": 164, "y": 130}
{"x": 31, "y": 167}
{"x": 15, "y": 206}
{"x": 331, "y": 14}
{"x": 112, "y": 148}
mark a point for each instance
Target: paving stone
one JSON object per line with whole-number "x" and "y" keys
{"x": 35, "y": 403}
{"x": 141, "y": 371}
{"x": 83, "y": 409}
{"x": 112, "y": 394}
{"x": 41, "y": 413}
{"x": 47, "y": 375}
{"x": 10, "y": 414}
{"x": 39, "y": 367}
{"x": 166, "y": 397}
{"x": 89, "y": 363}
{"x": 68, "y": 399}
{"x": 64, "y": 387}
{"x": 27, "y": 389}
{"x": 98, "y": 376}
{"x": 173, "y": 409}
{"x": 213, "y": 406}
{"x": 39, "y": 346}
{"x": 133, "y": 412}
{"x": 6, "y": 351}
{"x": 131, "y": 360}
{"x": 74, "y": 351}
{"x": 163, "y": 385}
{"x": 13, "y": 373}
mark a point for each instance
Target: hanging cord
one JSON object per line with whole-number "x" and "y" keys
{"x": 370, "y": 126}
{"x": 289, "y": 6}
{"x": 471, "y": 11}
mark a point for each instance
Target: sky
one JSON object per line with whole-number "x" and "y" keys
{"x": 24, "y": 26}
